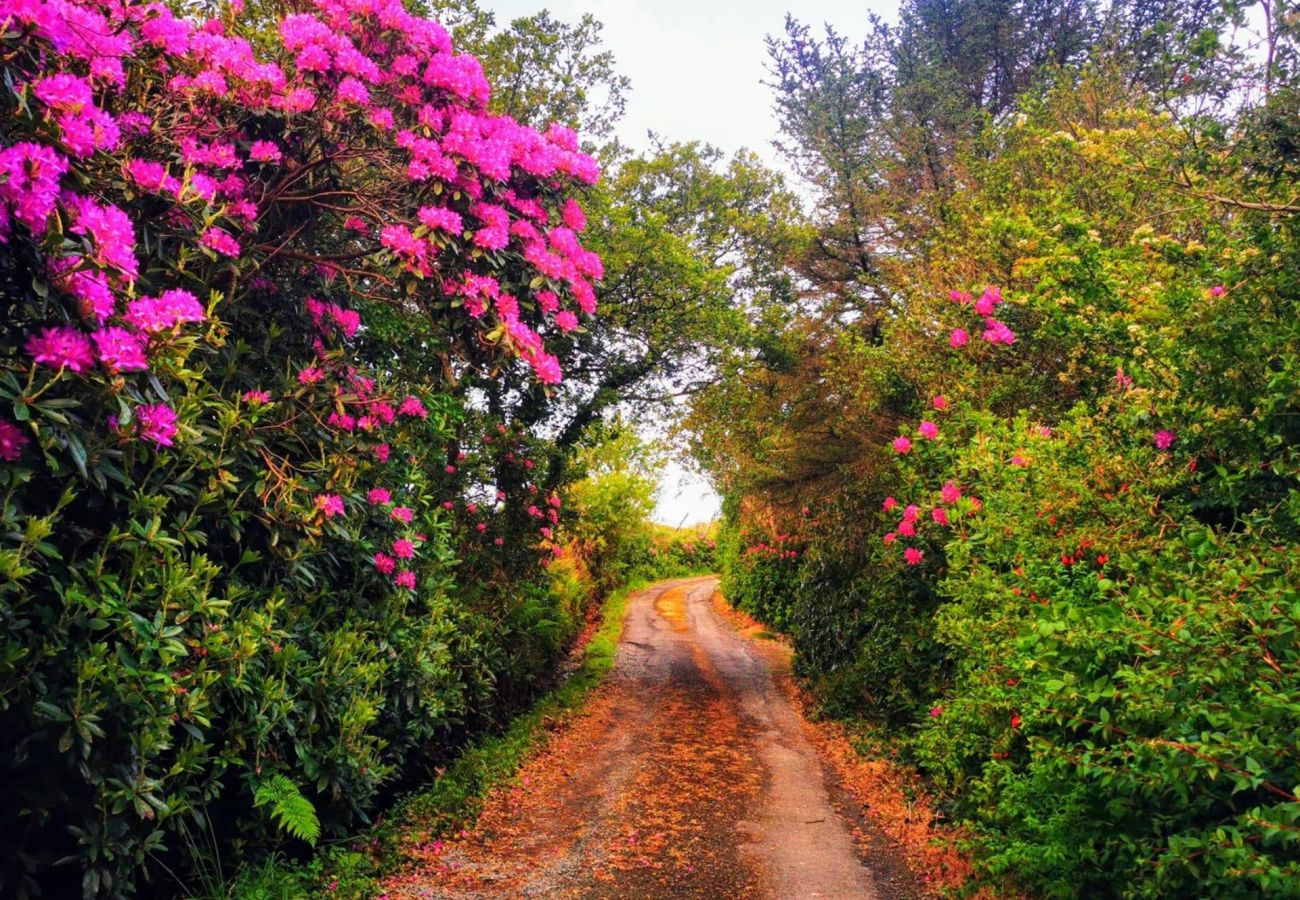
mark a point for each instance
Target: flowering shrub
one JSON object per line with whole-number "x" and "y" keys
{"x": 1060, "y": 567}
{"x": 249, "y": 273}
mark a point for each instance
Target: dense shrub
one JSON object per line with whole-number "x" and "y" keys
{"x": 1059, "y": 566}
{"x": 248, "y": 549}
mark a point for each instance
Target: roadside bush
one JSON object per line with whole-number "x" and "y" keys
{"x": 249, "y": 267}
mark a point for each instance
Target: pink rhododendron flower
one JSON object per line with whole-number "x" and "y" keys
{"x": 890, "y": 538}
{"x": 12, "y": 441}
{"x": 412, "y": 406}
{"x": 547, "y": 368}
{"x": 402, "y": 514}
{"x": 913, "y": 556}
{"x": 959, "y": 338}
{"x": 906, "y": 528}
{"x": 1122, "y": 381}
{"x": 449, "y": 469}
{"x": 936, "y": 712}
{"x": 940, "y": 402}
{"x": 378, "y": 495}
{"x": 61, "y": 347}
{"x": 940, "y": 515}
{"x": 157, "y": 423}
{"x": 481, "y": 527}
{"x": 95, "y": 299}
{"x": 959, "y": 297}
{"x": 890, "y": 503}
{"x": 988, "y": 300}
{"x": 910, "y": 512}
{"x": 573, "y": 215}
{"x": 403, "y": 549}
{"x": 163, "y": 313}
{"x": 256, "y": 398}
{"x": 382, "y": 452}
{"x": 996, "y": 332}
{"x": 110, "y": 232}
{"x": 330, "y": 504}
{"x": 120, "y": 350}
{"x": 405, "y": 579}
{"x": 220, "y": 241}
{"x": 1164, "y": 439}
{"x": 1019, "y": 461}
{"x": 928, "y": 430}
{"x": 265, "y": 151}
{"x": 566, "y": 320}
{"x": 950, "y": 493}
{"x": 29, "y": 183}
{"x": 1217, "y": 291}
{"x": 902, "y": 445}
{"x": 310, "y": 375}
{"x": 385, "y": 563}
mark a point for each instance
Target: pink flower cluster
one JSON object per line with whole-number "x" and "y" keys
{"x": 995, "y": 331}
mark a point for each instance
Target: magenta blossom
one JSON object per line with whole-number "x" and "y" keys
{"x": 11, "y": 441}
{"x": 928, "y": 430}
{"x": 385, "y": 563}
{"x": 890, "y": 503}
{"x": 378, "y": 495}
{"x": 405, "y": 579}
{"x": 950, "y": 492}
{"x": 120, "y": 350}
{"x": 310, "y": 375}
{"x": 1019, "y": 461}
{"x": 913, "y": 556}
{"x": 403, "y": 549}
{"x": 902, "y": 445}
{"x": 940, "y": 402}
{"x": 1164, "y": 439}
{"x": 330, "y": 504}
{"x": 62, "y": 347}
{"x": 157, "y": 423}
{"x": 940, "y": 515}
{"x": 402, "y": 514}
{"x": 257, "y": 398}
{"x": 959, "y": 338}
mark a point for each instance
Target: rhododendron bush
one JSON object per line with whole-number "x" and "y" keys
{"x": 1046, "y": 517}
{"x": 250, "y": 276}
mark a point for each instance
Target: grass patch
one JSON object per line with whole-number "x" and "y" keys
{"x": 454, "y": 800}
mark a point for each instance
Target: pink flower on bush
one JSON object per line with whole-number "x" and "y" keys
{"x": 566, "y": 321}
{"x": 385, "y": 563}
{"x": 31, "y": 182}
{"x": 330, "y": 504}
{"x": 481, "y": 527}
{"x": 928, "y": 430}
{"x": 940, "y": 515}
{"x": 120, "y": 350}
{"x": 910, "y": 512}
{"x": 940, "y": 402}
{"x": 378, "y": 495}
{"x": 902, "y": 445}
{"x": 403, "y": 549}
{"x": 890, "y": 503}
{"x": 1217, "y": 291}
{"x": 1164, "y": 439}
{"x": 61, "y": 347}
{"x": 257, "y": 398}
{"x": 163, "y": 313}
{"x": 405, "y": 579}
{"x": 907, "y": 528}
{"x": 12, "y": 441}
{"x": 959, "y": 338}
{"x": 950, "y": 492}
{"x": 890, "y": 538}
{"x": 264, "y": 151}
{"x": 382, "y": 452}
{"x": 157, "y": 423}
{"x": 1019, "y": 461}
{"x": 936, "y": 712}
{"x": 402, "y": 514}
{"x": 913, "y": 556}
{"x": 412, "y": 406}
{"x": 996, "y": 332}
{"x": 220, "y": 241}
{"x": 310, "y": 375}
{"x": 1122, "y": 381}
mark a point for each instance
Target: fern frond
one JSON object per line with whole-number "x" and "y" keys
{"x": 291, "y": 810}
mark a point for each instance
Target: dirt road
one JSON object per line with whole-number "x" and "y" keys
{"x": 688, "y": 776}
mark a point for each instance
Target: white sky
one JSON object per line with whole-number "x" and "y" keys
{"x": 697, "y": 68}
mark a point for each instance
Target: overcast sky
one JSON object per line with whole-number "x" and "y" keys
{"x": 697, "y": 68}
